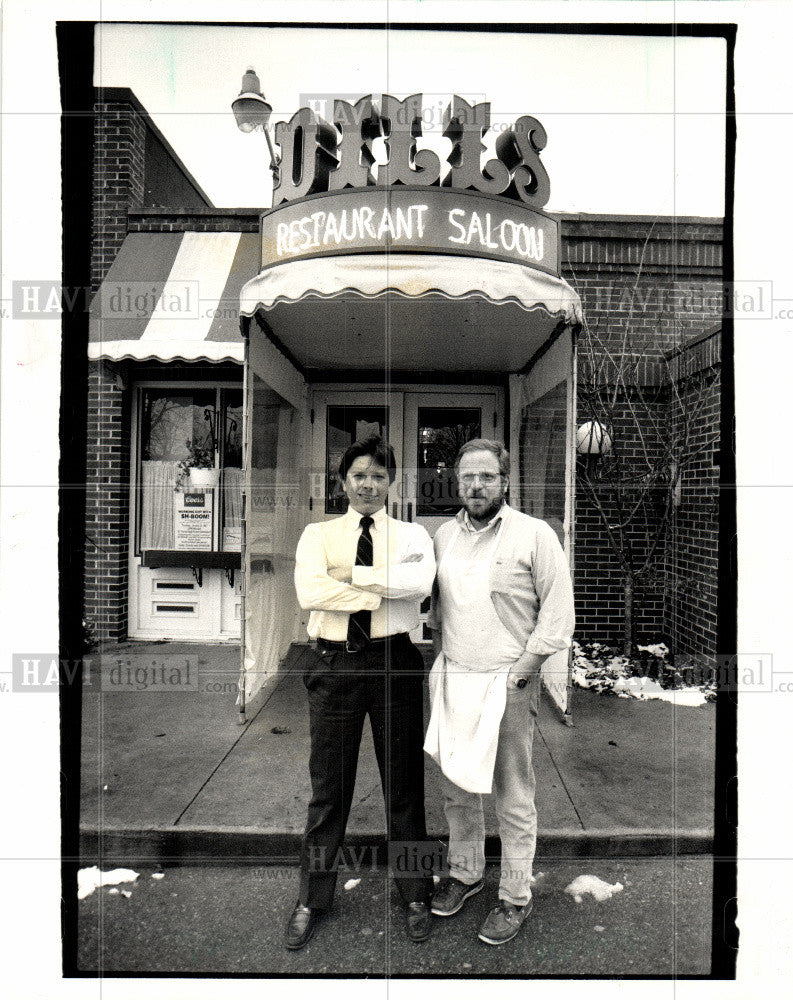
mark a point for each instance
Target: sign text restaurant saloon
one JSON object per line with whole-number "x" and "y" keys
{"x": 329, "y": 201}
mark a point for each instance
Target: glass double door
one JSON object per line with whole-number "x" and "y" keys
{"x": 426, "y": 428}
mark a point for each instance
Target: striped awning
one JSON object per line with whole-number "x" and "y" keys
{"x": 174, "y": 296}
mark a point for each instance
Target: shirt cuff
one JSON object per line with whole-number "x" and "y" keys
{"x": 370, "y": 602}
{"x": 545, "y": 647}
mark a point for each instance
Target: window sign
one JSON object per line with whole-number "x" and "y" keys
{"x": 232, "y": 539}
{"x": 194, "y": 520}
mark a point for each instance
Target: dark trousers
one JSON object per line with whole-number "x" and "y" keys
{"x": 385, "y": 683}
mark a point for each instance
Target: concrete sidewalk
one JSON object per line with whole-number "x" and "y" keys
{"x": 170, "y": 775}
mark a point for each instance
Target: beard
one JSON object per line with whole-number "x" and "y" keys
{"x": 480, "y": 512}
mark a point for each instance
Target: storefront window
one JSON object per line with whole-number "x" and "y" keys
{"x": 543, "y": 447}
{"x": 346, "y": 425}
{"x": 190, "y": 471}
{"x": 274, "y": 519}
{"x": 442, "y": 431}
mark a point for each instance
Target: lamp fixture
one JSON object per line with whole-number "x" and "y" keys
{"x": 592, "y": 438}
{"x": 252, "y": 111}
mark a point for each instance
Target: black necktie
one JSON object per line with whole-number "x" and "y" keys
{"x": 360, "y": 625}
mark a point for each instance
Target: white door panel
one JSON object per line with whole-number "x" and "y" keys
{"x": 171, "y": 604}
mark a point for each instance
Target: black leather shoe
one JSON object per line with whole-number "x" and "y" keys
{"x": 300, "y": 927}
{"x": 419, "y": 922}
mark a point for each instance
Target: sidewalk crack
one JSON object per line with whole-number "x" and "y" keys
{"x": 371, "y": 792}
{"x": 564, "y": 786}
{"x": 230, "y": 750}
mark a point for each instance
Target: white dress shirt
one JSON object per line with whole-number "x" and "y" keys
{"x": 390, "y": 588}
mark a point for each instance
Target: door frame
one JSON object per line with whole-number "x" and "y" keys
{"x": 398, "y": 506}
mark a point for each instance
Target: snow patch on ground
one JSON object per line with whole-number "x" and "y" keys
{"x": 593, "y": 885}
{"x": 659, "y": 649}
{"x": 646, "y": 689}
{"x": 599, "y": 668}
{"x": 89, "y": 879}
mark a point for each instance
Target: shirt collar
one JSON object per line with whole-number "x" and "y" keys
{"x": 355, "y": 518}
{"x": 465, "y": 520}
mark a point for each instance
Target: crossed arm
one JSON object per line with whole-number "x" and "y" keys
{"x": 316, "y": 589}
{"x": 410, "y": 577}
{"x": 355, "y": 588}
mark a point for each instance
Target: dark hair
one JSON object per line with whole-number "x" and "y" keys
{"x": 485, "y": 444}
{"x": 377, "y": 449}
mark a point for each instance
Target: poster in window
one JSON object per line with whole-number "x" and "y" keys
{"x": 194, "y": 520}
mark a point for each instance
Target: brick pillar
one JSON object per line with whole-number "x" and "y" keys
{"x": 119, "y": 159}
{"x": 118, "y": 186}
{"x": 107, "y": 502}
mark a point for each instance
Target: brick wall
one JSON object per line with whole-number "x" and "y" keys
{"x": 107, "y": 501}
{"x": 598, "y": 576}
{"x": 119, "y": 152}
{"x": 657, "y": 282}
{"x": 210, "y": 220}
{"x": 120, "y": 141}
{"x": 692, "y": 553}
{"x": 647, "y": 288}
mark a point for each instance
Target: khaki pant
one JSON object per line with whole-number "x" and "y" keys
{"x": 513, "y": 788}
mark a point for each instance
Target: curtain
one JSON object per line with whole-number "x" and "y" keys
{"x": 158, "y": 480}
{"x": 232, "y": 497}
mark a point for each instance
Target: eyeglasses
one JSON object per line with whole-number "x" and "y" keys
{"x": 485, "y": 478}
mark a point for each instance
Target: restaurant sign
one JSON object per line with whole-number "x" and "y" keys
{"x": 410, "y": 219}
{"x": 318, "y": 156}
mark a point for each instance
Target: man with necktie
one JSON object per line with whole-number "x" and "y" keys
{"x": 363, "y": 577}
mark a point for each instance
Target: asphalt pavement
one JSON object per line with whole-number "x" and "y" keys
{"x": 230, "y": 920}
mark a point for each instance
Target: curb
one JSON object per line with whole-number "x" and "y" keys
{"x": 252, "y": 846}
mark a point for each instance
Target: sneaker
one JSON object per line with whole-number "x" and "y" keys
{"x": 503, "y": 922}
{"x": 451, "y": 894}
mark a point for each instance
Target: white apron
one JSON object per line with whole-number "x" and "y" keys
{"x": 468, "y": 687}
